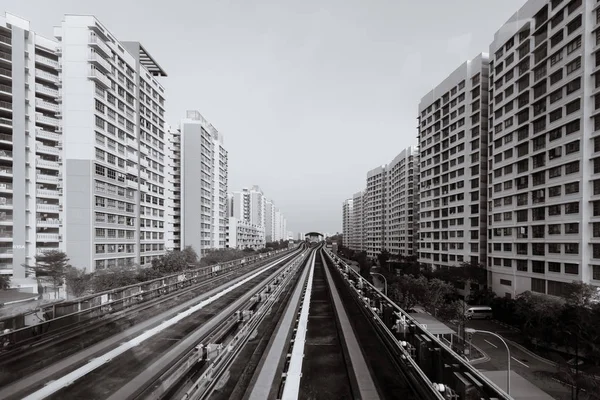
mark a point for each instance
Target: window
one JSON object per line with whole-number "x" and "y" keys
{"x": 538, "y": 285}
{"x": 572, "y": 147}
{"x": 571, "y": 188}
{"x": 574, "y": 45}
{"x": 573, "y": 65}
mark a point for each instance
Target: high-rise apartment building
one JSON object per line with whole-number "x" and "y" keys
{"x": 375, "y": 211}
{"x": 277, "y": 234}
{"x": 269, "y": 220}
{"x": 173, "y": 233}
{"x": 357, "y": 220}
{"x": 30, "y": 147}
{"x": 249, "y": 205}
{"x": 401, "y": 203}
{"x": 346, "y": 222}
{"x": 114, "y": 144}
{"x": 453, "y": 122}
{"x": 544, "y": 141}
{"x": 199, "y": 185}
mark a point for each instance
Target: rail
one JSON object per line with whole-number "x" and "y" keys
{"x": 417, "y": 338}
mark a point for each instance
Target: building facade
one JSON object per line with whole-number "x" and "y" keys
{"x": 347, "y": 210}
{"x": 199, "y": 185}
{"x": 269, "y": 220}
{"x": 544, "y": 144}
{"x": 402, "y": 203}
{"x": 243, "y": 234}
{"x": 31, "y": 142}
{"x": 357, "y": 222}
{"x": 453, "y": 149}
{"x": 114, "y": 143}
{"x": 375, "y": 210}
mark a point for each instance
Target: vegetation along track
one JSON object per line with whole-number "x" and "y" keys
{"x": 61, "y": 344}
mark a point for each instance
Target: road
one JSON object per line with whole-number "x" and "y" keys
{"x": 534, "y": 369}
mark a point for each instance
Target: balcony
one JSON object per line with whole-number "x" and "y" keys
{"x": 132, "y": 184}
{"x": 6, "y": 188}
{"x": 6, "y": 155}
{"x": 42, "y": 119}
{"x": 48, "y": 91}
{"x": 144, "y": 175}
{"x": 48, "y": 237}
{"x": 6, "y": 219}
{"x": 47, "y": 61}
{"x": 98, "y": 60}
{"x": 42, "y": 134}
{"x": 46, "y": 76}
{"x": 6, "y": 89}
{"x": 41, "y": 250}
{"x": 46, "y": 105}
{"x": 40, "y": 148}
{"x": 6, "y": 72}
{"x": 40, "y": 163}
{"x": 6, "y": 56}
{"x": 6, "y": 171}
{"x": 47, "y": 193}
{"x": 43, "y": 178}
{"x": 6, "y": 138}
{"x": 99, "y": 77}
{"x": 6, "y": 252}
{"x": 48, "y": 207}
{"x": 48, "y": 223}
{"x": 6, "y": 202}
{"x": 99, "y": 44}
{"x": 6, "y": 236}
{"x": 6, "y": 122}
{"x": 132, "y": 170}
{"x": 5, "y": 105}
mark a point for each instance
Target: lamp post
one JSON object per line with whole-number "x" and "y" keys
{"x": 384, "y": 281}
{"x": 471, "y": 330}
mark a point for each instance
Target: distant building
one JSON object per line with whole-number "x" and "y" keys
{"x": 243, "y": 234}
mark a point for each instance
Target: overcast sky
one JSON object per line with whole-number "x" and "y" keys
{"x": 310, "y": 94}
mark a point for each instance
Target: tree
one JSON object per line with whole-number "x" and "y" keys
{"x": 248, "y": 250}
{"x": 190, "y": 255}
{"x": 147, "y": 274}
{"x": 78, "y": 281}
{"x": 438, "y": 291}
{"x": 50, "y": 267}
{"x": 383, "y": 258}
{"x": 113, "y": 278}
{"x": 4, "y": 282}
{"x": 172, "y": 262}
{"x": 220, "y": 256}
{"x": 408, "y": 291}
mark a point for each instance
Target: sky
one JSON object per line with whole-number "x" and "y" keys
{"x": 309, "y": 94}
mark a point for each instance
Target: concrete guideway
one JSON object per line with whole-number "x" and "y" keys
{"x": 69, "y": 370}
{"x": 366, "y": 385}
{"x": 262, "y": 387}
{"x": 153, "y": 372}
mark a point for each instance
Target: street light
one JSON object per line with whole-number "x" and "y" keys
{"x": 471, "y": 331}
{"x": 384, "y": 281}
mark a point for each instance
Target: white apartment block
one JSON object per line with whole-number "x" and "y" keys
{"x": 374, "y": 212}
{"x": 278, "y": 233}
{"x": 249, "y": 205}
{"x": 544, "y": 141}
{"x": 402, "y": 203}
{"x": 30, "y": 147}
{"x": 346, "y": 222}
{"x": 173, "y": 234}
{"x": 269, "y": 220}
{"x": 357, "y": 220}
{"x": 114, "y": 145}
{"x": 243, "y": 234}
{"x": 199, "y": 184}
{"x": 453, "y": 171}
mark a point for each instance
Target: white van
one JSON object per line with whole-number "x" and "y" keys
{"x": 479, "y": 312}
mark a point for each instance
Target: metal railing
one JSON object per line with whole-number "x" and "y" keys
{"x": 485, "y": 387}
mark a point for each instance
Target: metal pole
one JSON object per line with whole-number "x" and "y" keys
{"x": 507, "y": 350}
{"x": 384, "y": 281}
